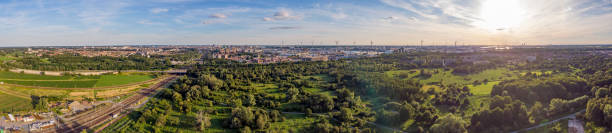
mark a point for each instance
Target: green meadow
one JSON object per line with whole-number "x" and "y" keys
{"x": 481, "y": 90}
{"x": 70, "y": 81}
{"x": 112, "y": 80}
{"x": 10, "y": 103}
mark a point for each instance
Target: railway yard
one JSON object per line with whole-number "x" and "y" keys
{"x": 89, "y": 119}
{"x": 97, "y": 117}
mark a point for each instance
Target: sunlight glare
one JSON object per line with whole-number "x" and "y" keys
{"x": 500, "y": 15}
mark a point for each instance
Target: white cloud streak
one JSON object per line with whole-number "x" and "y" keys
{"x": 158, "y": 10}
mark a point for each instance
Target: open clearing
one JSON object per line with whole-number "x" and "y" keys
{"x": 447, "y": 77}
{"x": 483, "y": 89}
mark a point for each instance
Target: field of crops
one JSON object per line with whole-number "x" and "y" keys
{"x": 10, "y": 103}
{"x": 70, "y": 81}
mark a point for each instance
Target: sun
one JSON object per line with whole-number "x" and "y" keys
{"x": 500, "y": 15}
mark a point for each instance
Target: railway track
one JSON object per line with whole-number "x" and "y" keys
{"x": 98, "y": 116}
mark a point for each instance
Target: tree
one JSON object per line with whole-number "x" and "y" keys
{"x": 346, "y": 115}
{"x": 599, "y": 111}
{"x": 320, "y": 103}
{"x": 246, "y": 129}
{"x": 241, "y": 116}
{"x": 173, "y": 121}
{"x": 262, "y": 122}
{"x": 449, "y": 124}
{"x": 503, "y": 113}
{"x": 292, "y": 93}
{"x": 236, "y": 102}
{"x": 250, "y": 100}
{"x": 203, "y": 121}
{"x": 40, "y": 103}
{"x": 211, "y": 81}
{"x": 557, "y": 128}
{"x": 176, "y": 97}
{"x": 193, "y": 92}
{"x": 308, "y": 112}
{"x": 161, "y": 121}
{"x": 276, "y": 116}
{"x": 537, "y": 112}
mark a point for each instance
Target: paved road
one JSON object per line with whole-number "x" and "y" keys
{"x": 573, "y": 115}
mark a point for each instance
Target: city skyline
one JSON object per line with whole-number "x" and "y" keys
{"x": 268, "y": 22}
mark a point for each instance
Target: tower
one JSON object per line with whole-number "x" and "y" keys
{"x": 337, "y": 47}
{"x": 421, "y": 43}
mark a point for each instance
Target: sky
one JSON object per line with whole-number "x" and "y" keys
{"x": 306, "y": 22}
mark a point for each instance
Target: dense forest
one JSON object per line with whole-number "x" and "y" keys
{"x": 356, "y": 95}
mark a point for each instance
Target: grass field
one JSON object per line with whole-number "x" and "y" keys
{"x": 483, "y": 89}
{"x": 297, "y": 123}
{"x": 447, "y": 77}
{"x": 6, "y": 58}
{"x": 481, "y": 93}
{"x": 317, "y": 82}
{"x": 57, "y": 84}
{"x": 70, "y": 81}
{"x": 73, "y": 94}
{"x": 10, "y": 103}
{"x": 112, "y": 80}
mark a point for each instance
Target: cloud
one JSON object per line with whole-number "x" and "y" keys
{"x": 284, "y": 28}
{"x": 338, "y": 15}
{"x": 267, "y": 19}
{"x": 218, "y": 15}
{"x": 213, "y": 21}
{"x": 391, "y": 18}
{"x": 13, "y": 20}
{"x": 215, "y": 18}
{"x": 211, "y": 15}
{"x": 100, "y": 13}
{"x": 148, "y": 22}
{"x": 173, "y": 1}
{"x": 462, "y": 12}
{"x": 282, "y": 14}
{"x": 158, "y": 10}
